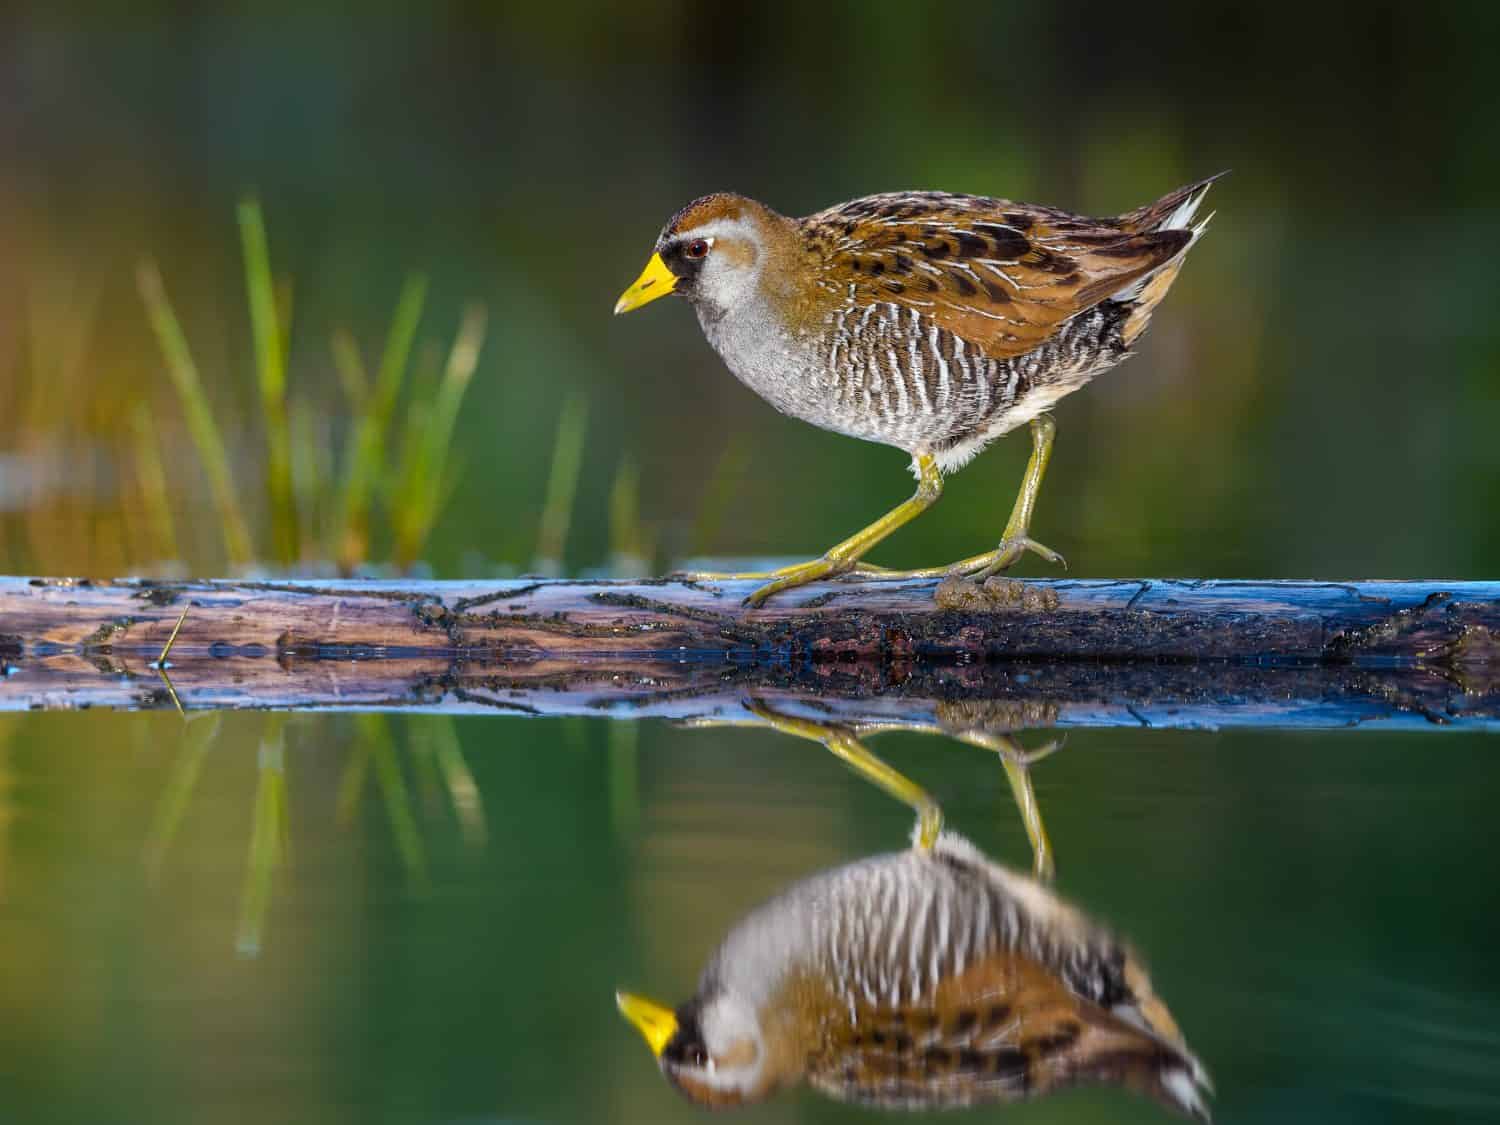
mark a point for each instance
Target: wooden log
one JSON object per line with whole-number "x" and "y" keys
{"x": 1157, "y": 652}
{"x": 1374, "y": 623}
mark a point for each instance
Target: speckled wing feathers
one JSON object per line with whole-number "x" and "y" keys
{"x": 964, "y": 984}
{"x": 1007, "y": 1029}
{"x": 1002, "y": 276}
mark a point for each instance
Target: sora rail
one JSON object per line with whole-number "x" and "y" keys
{"x": 929, "y": 321}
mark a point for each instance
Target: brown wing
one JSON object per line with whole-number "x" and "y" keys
{"x": 1003, "y": 276}
{"x": 1006, "y": 1028}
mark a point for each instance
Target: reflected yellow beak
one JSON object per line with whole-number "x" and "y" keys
{"x": 655, "y": 281}
{"x": 656, "y": 1024}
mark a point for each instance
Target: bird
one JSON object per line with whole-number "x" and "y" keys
{"x": 930, "y": 321}
{"x": 926, "y": 978}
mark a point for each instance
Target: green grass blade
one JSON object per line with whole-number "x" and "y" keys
{"x": 201, "y": 425}
{"x": 270, "y": 369}
{"x": 312, "y": 468}
{"x": 422, "y": 492}
{"x": 562, "y": 484}
{"x": 421, "y": 386}
{"x": 284, "y": 293}
{"x": 362, "y": 464}
{"x": 351, "y": 369}
{"x": 398, "y": 344}
{"x": 463, "y": 358}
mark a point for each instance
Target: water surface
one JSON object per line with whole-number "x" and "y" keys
{"x": 1317, "y": 909}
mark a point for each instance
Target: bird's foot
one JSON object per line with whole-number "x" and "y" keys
{"x": 718, "y": 575}
{"x": 801, "y": 574}
{"x": 1003, "y": 557}
{"x": 833, "y": 565}
{"x": 787, "y": 577}
{"x": 978, "y": 567}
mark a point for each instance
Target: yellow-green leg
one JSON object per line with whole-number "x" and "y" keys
{"x": 1016, "y": 540}
{"x": 1018, "y": 762}
{"x": 844, "y": 557}
{"x": 859, "y": 757}
{"x": 846, "y": 742}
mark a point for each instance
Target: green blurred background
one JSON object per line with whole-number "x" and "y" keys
{"x": 1318, "y": 396}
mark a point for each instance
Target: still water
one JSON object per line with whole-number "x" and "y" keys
{"x": 426, "y": 918}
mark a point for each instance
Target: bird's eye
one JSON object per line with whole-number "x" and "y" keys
{"x": 698, "y": 1055}
{"x": 698, "y": 248}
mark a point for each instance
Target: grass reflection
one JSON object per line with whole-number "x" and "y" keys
{"x": 375, "y": 738}
{"x": 182, "y": 779}
{"x": 394, "y": 755}
{"x": 418, "y": 768}
{"x": 270, "y": 838}
{"x": 435, "y": 741}
{"x": 9, "y": 724}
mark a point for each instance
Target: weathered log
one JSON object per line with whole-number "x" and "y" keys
{"x": 1376, "y": 623}
{"x": 1055, "y": 652}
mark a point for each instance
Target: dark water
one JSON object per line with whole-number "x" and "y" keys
{"x": 433, "y": 923}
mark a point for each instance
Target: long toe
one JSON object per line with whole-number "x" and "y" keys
{"x": 1045, "y": 552}
{"x": 1010, "y": 552}
{"x": 792, "y": 577}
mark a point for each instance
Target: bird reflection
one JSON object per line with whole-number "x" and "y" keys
{"x": 929, "y": 977}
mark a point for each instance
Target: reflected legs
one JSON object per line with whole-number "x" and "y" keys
{"x": 845, "y": 741}
{"x": 846, "y": 745}
{"x": 1018, "y": 761}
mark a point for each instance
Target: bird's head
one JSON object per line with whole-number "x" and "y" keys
{"x": 711, "y": 1049}
{"x": 713, "y": 252}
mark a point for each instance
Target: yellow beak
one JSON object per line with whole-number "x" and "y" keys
{"x": 655, "y": 1023}
{"x": 655, "y": 281}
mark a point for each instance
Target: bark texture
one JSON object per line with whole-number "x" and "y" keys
{"x": 1061, "y": 652}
